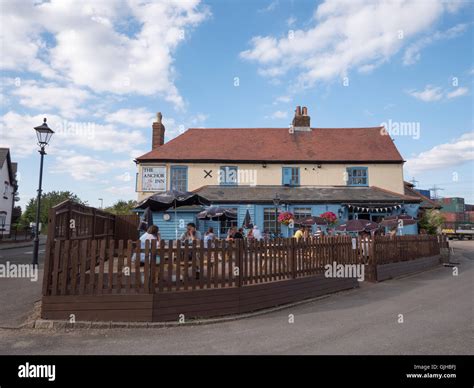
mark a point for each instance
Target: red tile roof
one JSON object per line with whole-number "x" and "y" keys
{"x": 278, "y": 145}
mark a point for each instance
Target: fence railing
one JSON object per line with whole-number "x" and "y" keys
{"x": 72, "y": 221}
{"x": 16, "y": 233}
{"x": 107, "y": 266}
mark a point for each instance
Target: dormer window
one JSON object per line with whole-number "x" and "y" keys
{"x": 291, "y": 176}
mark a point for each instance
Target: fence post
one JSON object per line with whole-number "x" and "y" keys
{"x": 93, "y": 223}
{"x": 68, "y": 226}
{"x": 372, "y": 260}
{"x": 47, "y": 255}
{"x": 240, "y": 251}
{"x": 292, "y": 255}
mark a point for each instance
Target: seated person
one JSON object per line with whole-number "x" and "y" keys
{"x": 153, "y": 235}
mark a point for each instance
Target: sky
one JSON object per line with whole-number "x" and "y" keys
{"x": 100, "y": 70}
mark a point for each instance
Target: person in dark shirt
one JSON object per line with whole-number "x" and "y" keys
{"x": 239, "y": 234}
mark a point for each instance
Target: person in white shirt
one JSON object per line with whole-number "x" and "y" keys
{"x": 257, "y": 235}
{"x": 209, "y": 236}
{"x": 153, "y": 235}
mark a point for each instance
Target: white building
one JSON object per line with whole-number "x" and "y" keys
{"x": 8, "y": 189}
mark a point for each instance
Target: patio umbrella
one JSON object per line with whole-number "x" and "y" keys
{"x": 247, "y": 224}
{"x": 394, "y": 221}
{"x": 310, "y": 221}
{"x": 146, "y": 220}
{"x": 219, "y": 214}
{"x": 357, "y": 226}
{"x": 172, "y": 199}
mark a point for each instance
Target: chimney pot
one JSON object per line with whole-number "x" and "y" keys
{"x": 158, "y": 132}
{"x": 301, "y": 122}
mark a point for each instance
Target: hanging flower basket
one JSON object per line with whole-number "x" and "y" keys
{"x": 286, "y": 218}
{"x": 330, "y": 217}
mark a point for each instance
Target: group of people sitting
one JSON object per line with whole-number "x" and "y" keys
{"x": 306, "y": 232}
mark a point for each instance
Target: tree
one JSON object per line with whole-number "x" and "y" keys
{"x": 431, "y": 221}
{"x": 122, "y": 207}
{"x": 48, "y": 200}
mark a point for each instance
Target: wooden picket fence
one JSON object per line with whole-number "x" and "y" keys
{"x": 107, "y": 266}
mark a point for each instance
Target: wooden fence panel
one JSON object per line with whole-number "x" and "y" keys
{"x": 87, "y": 267}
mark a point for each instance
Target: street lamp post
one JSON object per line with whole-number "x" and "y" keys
{"x": 44, "y": 133}
{"x": 276, "y": 202}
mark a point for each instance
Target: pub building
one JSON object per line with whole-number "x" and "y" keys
{"x": 352, "y": 172}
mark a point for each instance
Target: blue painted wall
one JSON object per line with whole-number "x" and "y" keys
{"x": 167, "y": 228}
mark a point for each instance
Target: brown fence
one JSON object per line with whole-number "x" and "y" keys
{"x": 70, "y": 220}
{"x": 79, "y": 273}
{"x": 173, "y": 267}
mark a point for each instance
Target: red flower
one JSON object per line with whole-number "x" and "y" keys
{"x": 330, "y": 217}
{"x": 285, "y": 218}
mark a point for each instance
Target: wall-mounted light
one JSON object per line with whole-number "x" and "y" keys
{"x": 264, "y": 165}
{"x": 319, "y": 166}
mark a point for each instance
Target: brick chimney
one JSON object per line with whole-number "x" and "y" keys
{"x": 301, "y": 121}
{"x": 158, "y": 137}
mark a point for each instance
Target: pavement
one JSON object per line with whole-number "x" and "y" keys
{"x": 19, "y": 295}
{"x": 426, "y": 313}
{"x": 9, "y": 244}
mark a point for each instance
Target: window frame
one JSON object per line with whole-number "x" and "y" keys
{"x": 292, "y": 170}
{"x": 350, "y": 176}
{"x": 271, "y": 222}
{"x": 225, "y": 183}
{"x": 299, "y": 215}
{"x": 174, "y": 169}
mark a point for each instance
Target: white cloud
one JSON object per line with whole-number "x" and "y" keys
{"x": 279, "y": 114}
{"x": 270, "y": 7}
{"x": 413, "y": 52}
{"x": 17, "y": 133}
{"x": 88, "y": 44}
{"x": 346, "y": 34}
{"x": 50, "y": 97}
{"x": 120, "y": 191}
{"x": 282, "y": 99}
{"x": 435, "y": 93}
{"x": 451, "y": 154}
{"x": 139, "y": 117}
{"x": 175, "y": 128}
{"x": 462, "y": 91}
{"x": 80, "y": 167}
{"x": 290, "y": 21}
{"x": 429, "y": 94}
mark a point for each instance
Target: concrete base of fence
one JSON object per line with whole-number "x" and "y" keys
{"x": 392, "y": 270}
{"x": 183, "y": 306}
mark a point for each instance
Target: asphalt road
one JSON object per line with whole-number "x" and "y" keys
{"x": 17, "y": 295}
{"x": 437, "y": 310}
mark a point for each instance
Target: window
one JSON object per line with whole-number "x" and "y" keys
{"x": 179, "y": 178}
{"x": 270, "y": 223}
{"x": 225, "y": 225}
{"x": 3, "y": 221}
{"x": 357, "y": 176}
{"x": 301, "y": 212}
{"x": 228, "y": 176}
{"x": 291, "y": 176}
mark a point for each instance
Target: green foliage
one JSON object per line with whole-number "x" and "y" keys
{"x": 48, "y": 200}
{"x": 431, "y": 221}
{"x": 122, "y": 207}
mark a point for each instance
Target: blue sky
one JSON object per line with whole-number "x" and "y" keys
{"x": 101, "y": 70}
